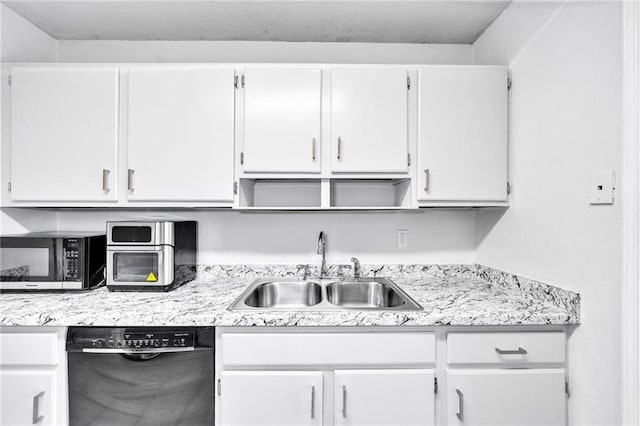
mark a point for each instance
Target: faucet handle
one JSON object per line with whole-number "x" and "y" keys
{"x": 356, "y": 268}
{"x": 341, "y": 269}
{"x": 307, "y": 271}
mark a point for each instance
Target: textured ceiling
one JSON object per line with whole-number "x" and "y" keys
{"x": 389, "y": 21}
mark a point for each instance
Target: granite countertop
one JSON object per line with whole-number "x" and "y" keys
{"x": 449, "y": 294}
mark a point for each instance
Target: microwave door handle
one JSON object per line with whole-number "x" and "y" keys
{"x": 58, "y": 260}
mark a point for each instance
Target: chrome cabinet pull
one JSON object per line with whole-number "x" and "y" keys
{"x": 339, "y": 148}
{"x": 130, "y": 179}
{"x": 519, "y": 351}
{"x": 36, "y": 409}
{"x": 460, "y": 413}
{"x": 313, "y": 402}
{"x": 313, "y": 149}
{"x": 344, "y": 401}
{"x": 426, "y": 180}
{"x": 105, "y": 179}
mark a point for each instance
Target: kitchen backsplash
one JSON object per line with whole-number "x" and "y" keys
{"x": 438, "y": 236}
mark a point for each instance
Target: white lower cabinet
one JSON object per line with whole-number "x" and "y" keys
{"x": 271, "y": 398}
{"x": 32, "y": 376}
{"x": 384, "y": 397}
{"x": 508, "y": 377}
{"x": 506, "y": 397}
{"x": 27, "y": 397}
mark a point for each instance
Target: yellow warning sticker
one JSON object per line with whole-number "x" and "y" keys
{"x": 151, "y": 277}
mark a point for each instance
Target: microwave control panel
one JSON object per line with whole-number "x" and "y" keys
{"x": 71, "y": 253}
{"x": 143, "y": 341}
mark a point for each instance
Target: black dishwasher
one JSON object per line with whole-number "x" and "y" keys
{"x": 141, "y": 376}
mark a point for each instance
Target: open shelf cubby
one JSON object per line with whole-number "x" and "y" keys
{"x": 370, "y": 193}
{"x": 280, "y": 193}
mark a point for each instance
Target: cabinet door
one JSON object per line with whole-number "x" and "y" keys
{"x": 282, "y": 120}
{"x": 384, "y": 397}
{"x": 64, "y": 134}
{"x": 369, "y": 127}
{"x": 462, "y": 133}
{"x": 181, "y": 134}
{"x": 506, "y": 397}
{"x": 271, "y": 398}
{"x": 27, "y": 397}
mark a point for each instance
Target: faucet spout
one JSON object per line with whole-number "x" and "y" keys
{"x": 322, "y": 249}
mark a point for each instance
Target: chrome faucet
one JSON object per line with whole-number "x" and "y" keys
{"x": 356, "y": 268}
{"x": 322, "y": 249}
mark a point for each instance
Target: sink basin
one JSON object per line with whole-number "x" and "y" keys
{"x": 278, "y": 294}
{"x": 364, "y": 294}
{"x": 293, "y": 294}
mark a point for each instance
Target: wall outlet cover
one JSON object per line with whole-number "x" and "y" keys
{"x": 402, "y": 238}
{"x": 602, "y": 186}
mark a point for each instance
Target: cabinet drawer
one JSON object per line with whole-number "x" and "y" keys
{"x": 29, "y": 348}
{"x": 241, "y": 349}
{"x": 506, "y": 348}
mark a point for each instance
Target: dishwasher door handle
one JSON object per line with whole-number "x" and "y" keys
{"x": 130, "y": 352}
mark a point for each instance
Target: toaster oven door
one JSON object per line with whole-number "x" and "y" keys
{"x": 138, "y": 234}
{"x": 134, "y": 266}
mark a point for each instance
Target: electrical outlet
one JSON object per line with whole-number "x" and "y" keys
{"x": 402, "y": 238}
{"x": 602, "y": 186}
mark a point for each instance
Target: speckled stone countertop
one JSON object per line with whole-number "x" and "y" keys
{"x": 449, "y": 294}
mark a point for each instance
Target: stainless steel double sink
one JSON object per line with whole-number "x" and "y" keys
{"x": 324, "y": 294}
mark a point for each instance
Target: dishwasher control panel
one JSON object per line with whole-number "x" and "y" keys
{"x": 142, "y": 341}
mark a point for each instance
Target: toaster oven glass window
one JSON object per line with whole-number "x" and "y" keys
{"x": 21, "y": 263}
{"x": 135, "y": 267}
{"x": 131, "y": 234}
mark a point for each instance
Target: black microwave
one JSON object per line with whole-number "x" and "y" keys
{"x": 52, "y": 261}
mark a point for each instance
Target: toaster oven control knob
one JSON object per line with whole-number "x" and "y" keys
{"x": 97, "y": 343}
{"x": 176, "y": 342}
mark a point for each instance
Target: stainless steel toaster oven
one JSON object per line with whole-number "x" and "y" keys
{"x": 150, "y": 256}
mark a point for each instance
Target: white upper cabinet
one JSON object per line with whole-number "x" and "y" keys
{"x": 180, "y": 134}
{"x": 282, "y": 118}
{"x": 369, "y": 120}
{"x": 462, "y": 133}
{"x": 64, "y": 134}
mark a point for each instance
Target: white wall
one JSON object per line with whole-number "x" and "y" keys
{"x": 22, "y": 41}
{"x": 247, "y": 51}
{"x": 565, "y": 124}
{"x": 19, "y": 221}
{"x": 435, "y": 236}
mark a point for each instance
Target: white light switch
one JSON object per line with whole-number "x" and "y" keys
{"x": 402, "y": 238}
{"x": 602, "y": 186}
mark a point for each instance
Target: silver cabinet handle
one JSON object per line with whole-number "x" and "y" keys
{"x": 313, "y": 149}
{"x": 130, "y": 179}
{"x": 344, "y": 401}
{"x": 339, "y": 148}
{"x": 36, "y": 409}
{"x": 519, "y": 351}
{"x": 105, "y": 179}
{"x": 460, "y": 413}
{"x": 426, "y": 180}
{"x": 313, "y": 402}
